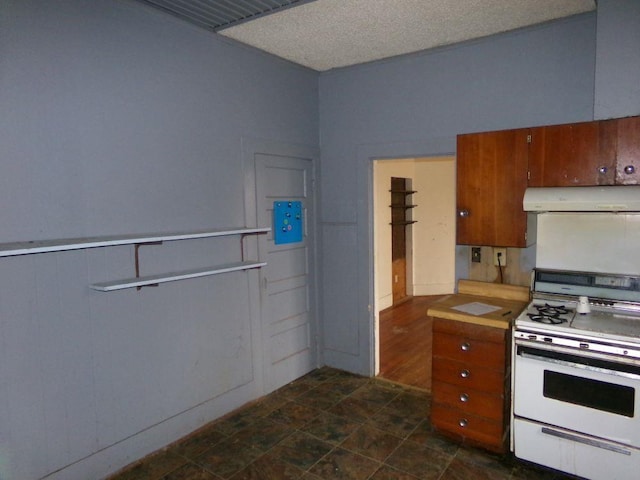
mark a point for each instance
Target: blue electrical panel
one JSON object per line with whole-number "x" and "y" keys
{"x": 287, "y": 222}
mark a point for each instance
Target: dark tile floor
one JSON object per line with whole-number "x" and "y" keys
{"x": 328, "y": 425}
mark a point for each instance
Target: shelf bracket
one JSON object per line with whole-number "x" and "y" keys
{"x": 137, "y": 255}
{"x": 242, "y": 237}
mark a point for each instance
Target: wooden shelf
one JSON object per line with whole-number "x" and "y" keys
{"x": 408, "y": 222}
{"x": 406, "y": 192}
{"x": 174, "y": 276}
{"x": 44, "y": 246}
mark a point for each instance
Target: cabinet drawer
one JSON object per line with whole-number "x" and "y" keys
{"x": 488, "y": 433}
{"x": 465, "y": 329}
{"x": 467, "y": 400}
{"x": 468, "y": 376}
{"x": 471, "y": 350}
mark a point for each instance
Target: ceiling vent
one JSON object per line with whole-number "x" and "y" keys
{"x": 218, "y": 14}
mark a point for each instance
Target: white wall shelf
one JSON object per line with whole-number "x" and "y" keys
{"x": 171, "y": 277}
{"x": 45, "y": 246}
{"x": 60, "y": 245}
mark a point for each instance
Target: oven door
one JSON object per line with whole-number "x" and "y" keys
{"x": 583, "y": 393}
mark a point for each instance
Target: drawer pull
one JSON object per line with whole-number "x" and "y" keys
{"x": 463, "y": 422}
{"x": 465, "y": 373}
{"x": 465, "y": 347}
{"x": 464, "y": 397}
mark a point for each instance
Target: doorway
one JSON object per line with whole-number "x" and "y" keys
{"x": 429, "y": 241}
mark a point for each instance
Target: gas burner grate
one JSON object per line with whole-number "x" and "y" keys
{"x": 550, "y": 314}
{"x": 545, "y": 318}
{"x": 552, "y": 310}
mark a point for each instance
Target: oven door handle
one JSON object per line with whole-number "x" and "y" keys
{"x": 566, "y": 363}
{"x": 586, "y": 441}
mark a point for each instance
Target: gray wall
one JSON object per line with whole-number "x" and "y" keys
{"x": 116, "y": 118}
{"x": 617, "y": 91}
{"x": 415, "y": 106}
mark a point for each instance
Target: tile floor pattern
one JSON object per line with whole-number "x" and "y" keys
{"x": 328, "y": 425}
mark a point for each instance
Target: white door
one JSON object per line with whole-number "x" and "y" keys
{"x": 287, "y": 281}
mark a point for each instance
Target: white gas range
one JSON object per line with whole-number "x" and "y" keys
{"x": 576, "y": 375}
{"x": 576, "y": 348}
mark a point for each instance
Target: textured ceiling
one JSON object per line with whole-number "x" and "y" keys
{"x": 326, "y": 34}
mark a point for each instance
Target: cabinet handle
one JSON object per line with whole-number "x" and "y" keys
{"x": 629, "y": 169}
{"x": 465, "y": 347}
{"x": 602, "y": 169}
{"x": 463, "y": 422}
{"x": 464, "y": 397}
{"x": 464, "y": 213}
{"x": 465, "y": 373}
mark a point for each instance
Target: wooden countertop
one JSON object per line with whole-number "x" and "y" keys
{"x": 511, "y": 300}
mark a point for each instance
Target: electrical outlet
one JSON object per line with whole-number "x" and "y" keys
{"x": 475, "y": 255}
{"x": 502, "y": 254}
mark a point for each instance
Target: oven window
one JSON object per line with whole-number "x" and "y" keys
{"x": 604, "y": 396}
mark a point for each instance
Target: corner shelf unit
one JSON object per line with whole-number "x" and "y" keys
{"x": 46, "y": 246}
{"x": 399, "y": 206}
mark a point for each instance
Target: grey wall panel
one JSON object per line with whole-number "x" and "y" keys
{"x": 117, "y": 118}
{"x": 340, "y": 242}
{"x": 529, "y": 77}
{"x": 618, "y": 59}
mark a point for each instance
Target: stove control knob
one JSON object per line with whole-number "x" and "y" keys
{"x": 465, "y": 347}
{"x": 464, "y": 397}
{"x": 463, "y": 422}
{"x": 465, "y": 373}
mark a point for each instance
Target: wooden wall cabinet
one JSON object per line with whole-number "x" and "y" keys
{"x": 605, "y": 152}
{"x": 576, "y": 154}
{"x": 495, "y": 168}
{"x": 491, "y": 180}
{"x": 470, "y": 383}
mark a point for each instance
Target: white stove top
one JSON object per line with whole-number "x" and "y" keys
{"x": 602, "y": 322}
{"x": 613, "y": 311}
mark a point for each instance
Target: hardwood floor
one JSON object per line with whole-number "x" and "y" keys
{"x": 405, "y": 342}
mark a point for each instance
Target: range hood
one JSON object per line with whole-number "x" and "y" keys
{"x": 623, "y": 198}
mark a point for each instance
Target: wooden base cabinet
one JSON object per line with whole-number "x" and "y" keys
{"x": 470, "y": 383}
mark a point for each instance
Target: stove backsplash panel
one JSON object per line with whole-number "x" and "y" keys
{"x": 589, "y": 242}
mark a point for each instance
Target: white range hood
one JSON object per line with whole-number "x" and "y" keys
{"x": 623, "y": 198}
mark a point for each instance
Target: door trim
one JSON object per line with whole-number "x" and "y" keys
{"x": 368, "y": 362}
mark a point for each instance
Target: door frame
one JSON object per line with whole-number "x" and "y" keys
{"x": 250, "y": 148}
{"x": 368, "y": 324}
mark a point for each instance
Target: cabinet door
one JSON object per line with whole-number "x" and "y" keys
{"x": 491, "y": 180}
{"x": 628, "y": 155}
{"x": 575, "y": 154}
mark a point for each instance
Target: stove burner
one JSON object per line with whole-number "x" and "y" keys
{"x": 553, "y": 311}
{"x": 549, "y": 314}
{"x": 548, "y": 319}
